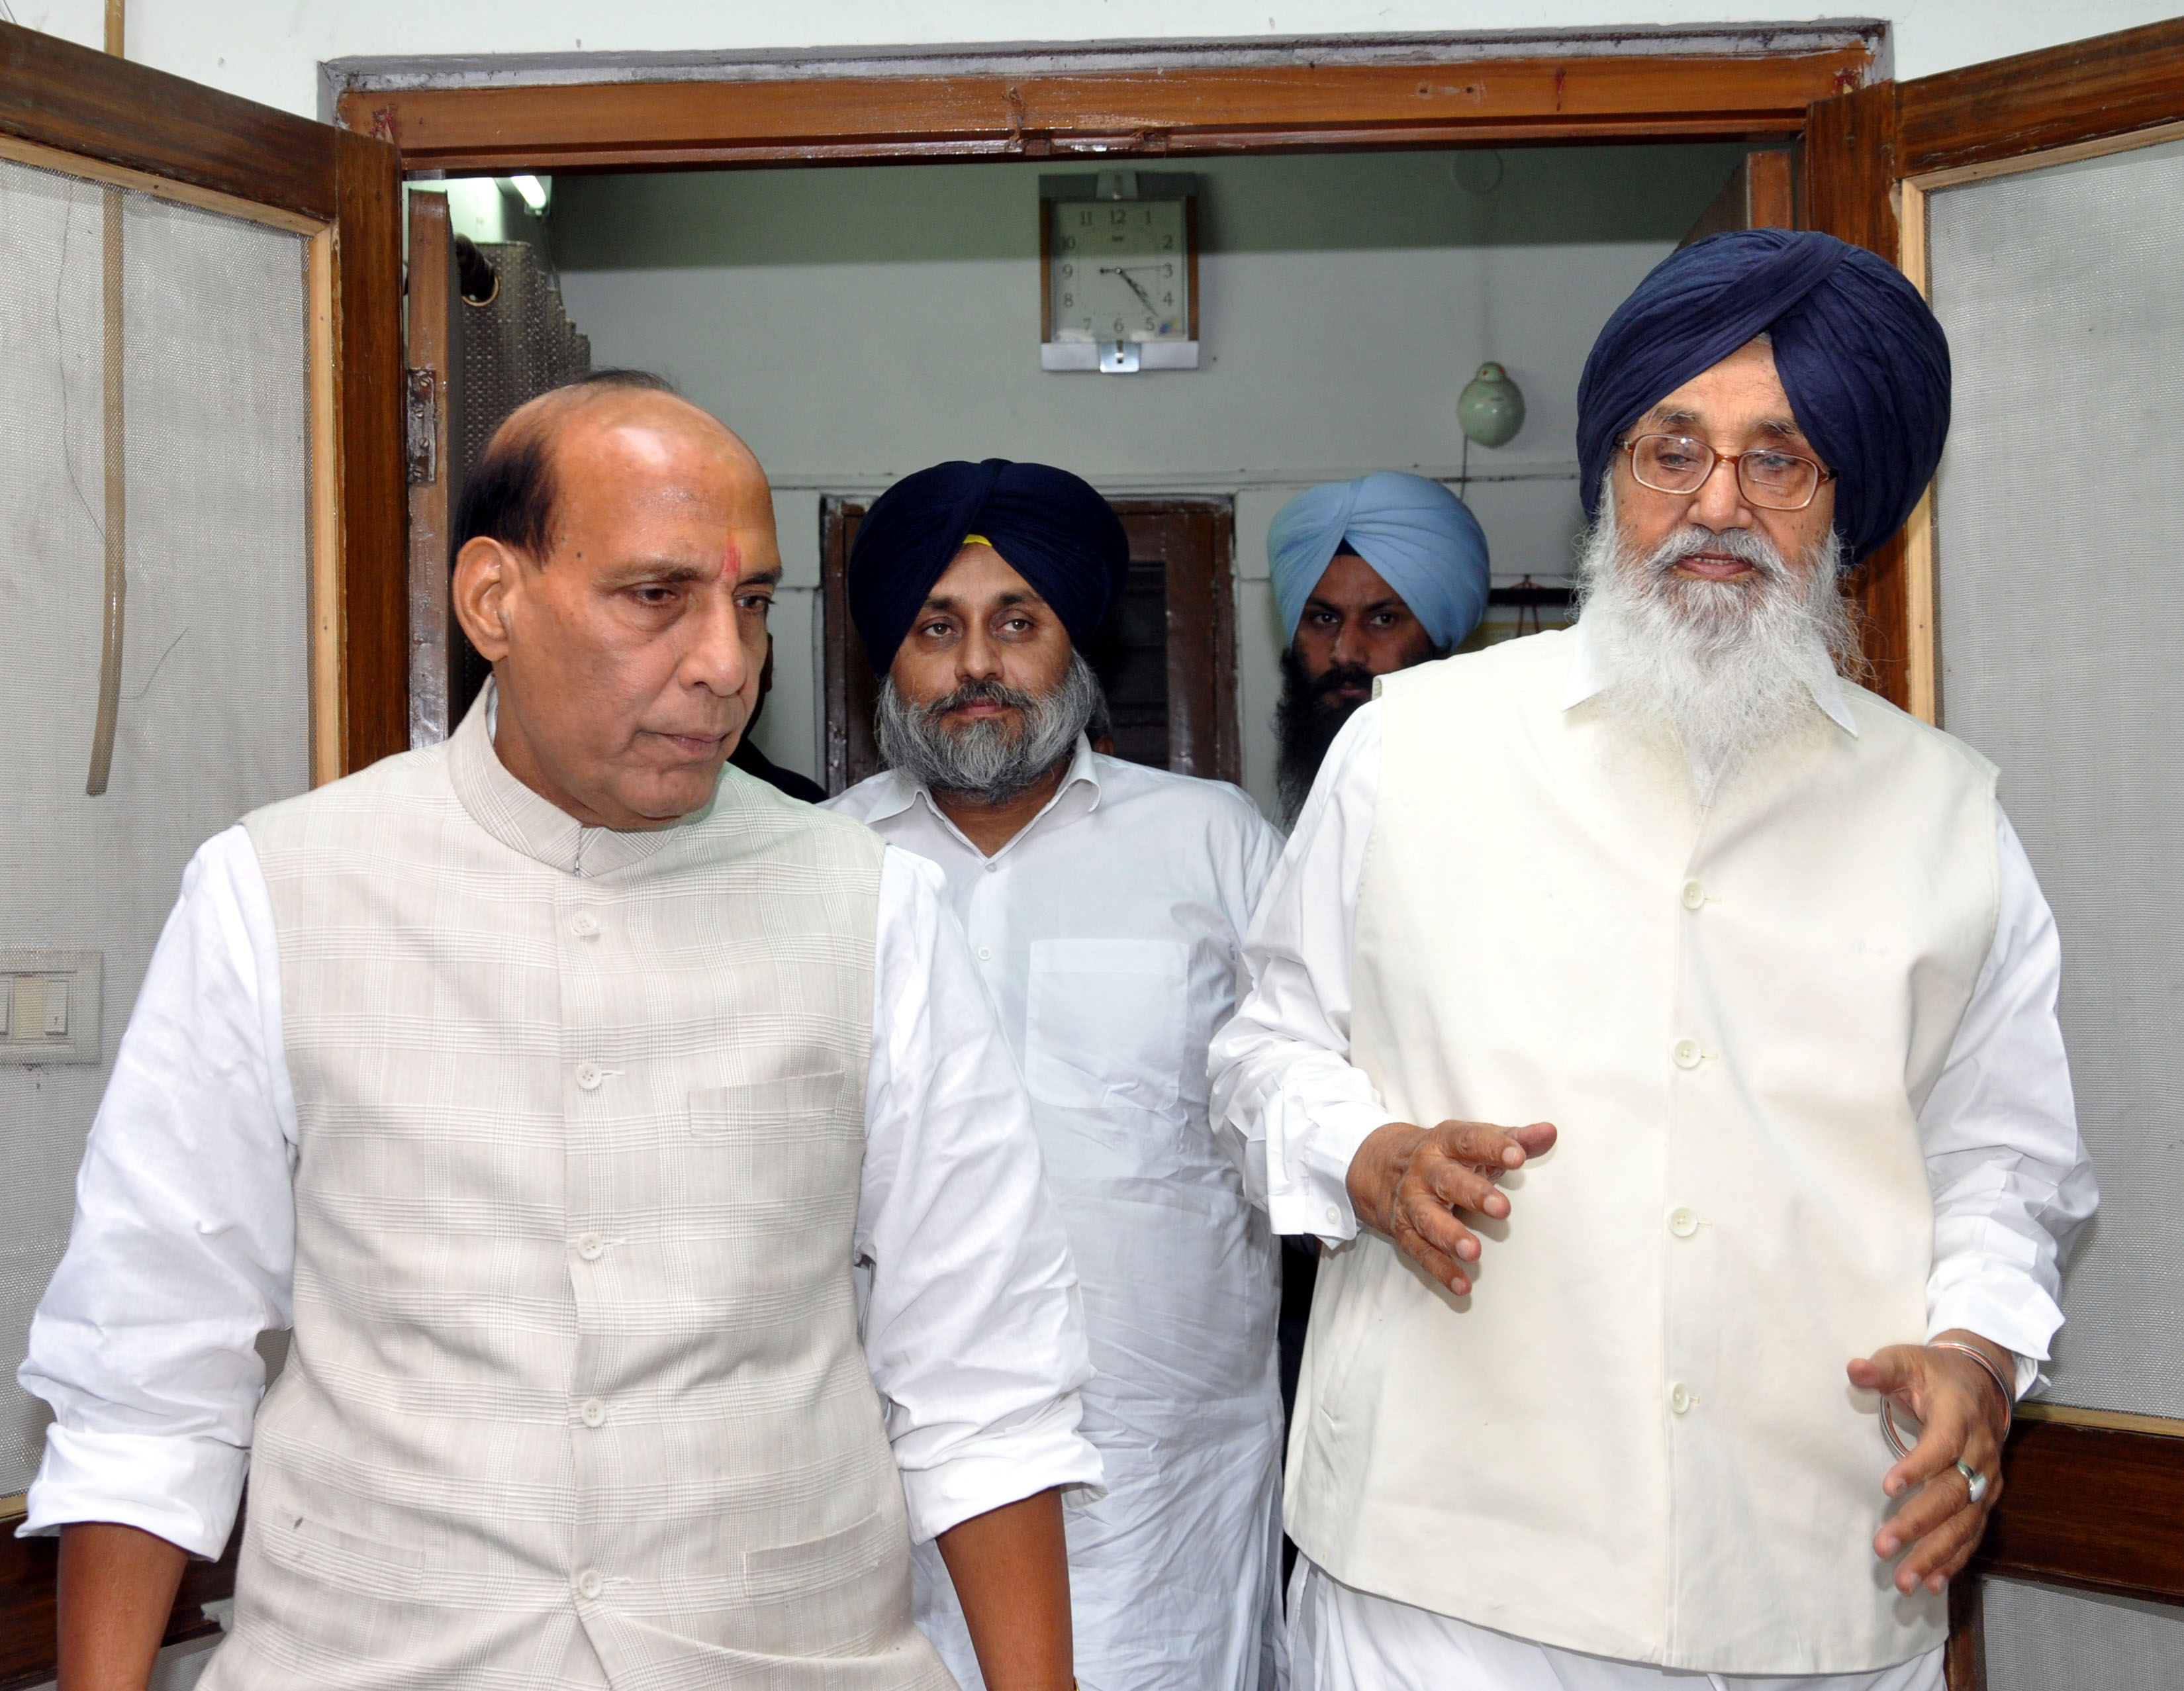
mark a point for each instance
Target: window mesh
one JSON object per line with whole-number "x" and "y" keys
{"x": 2040, "y": 1640}
{"x": 213, "y": 715}
{"x": 2061, "y": 602}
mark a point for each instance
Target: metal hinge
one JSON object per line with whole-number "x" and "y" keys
{"x": 421, "y": 432}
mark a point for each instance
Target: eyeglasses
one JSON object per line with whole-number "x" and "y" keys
{"x": 1771, "y": 479}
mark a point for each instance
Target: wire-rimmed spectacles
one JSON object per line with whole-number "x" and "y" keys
{"x": 1772, "y": 479}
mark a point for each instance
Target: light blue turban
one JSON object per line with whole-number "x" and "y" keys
{"x": 1417, "y": 534}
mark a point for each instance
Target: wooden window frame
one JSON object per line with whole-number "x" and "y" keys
{"x": 2090, "y": 1499}
{"x": 69, "y": 109}
{"x": 102, "y": 118}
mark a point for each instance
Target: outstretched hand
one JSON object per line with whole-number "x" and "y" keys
{"x": 1963, "y": 1417}
{"x": 1411, "y": 1183}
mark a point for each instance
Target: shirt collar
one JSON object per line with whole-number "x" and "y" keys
{"x": 524, "y": 822}
{"x": 896, "y": 793}
{"x": 1585, "y": 680}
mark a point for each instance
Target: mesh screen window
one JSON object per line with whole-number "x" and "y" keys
{"x": 2061, "y": 605}
{"x": 214, "y": 710}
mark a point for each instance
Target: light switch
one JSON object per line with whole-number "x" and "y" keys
{"x": 49, "y": 1005}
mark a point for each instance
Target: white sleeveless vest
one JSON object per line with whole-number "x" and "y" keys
{"x": 1634, "y": 1437}
{"x": 575, "y": 1395}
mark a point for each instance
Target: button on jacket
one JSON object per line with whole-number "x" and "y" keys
{"x": 562, "y": 1149}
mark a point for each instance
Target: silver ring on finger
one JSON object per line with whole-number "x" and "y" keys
{"x": 1974, "y": 1481}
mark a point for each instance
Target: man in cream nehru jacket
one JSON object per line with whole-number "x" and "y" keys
{"x": 1754, "y": 974}
{"x": 648, "y": 1186}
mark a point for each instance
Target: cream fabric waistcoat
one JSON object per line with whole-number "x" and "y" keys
{"x": 575, "y": 1395}
{"x": 1635, "y": 1437}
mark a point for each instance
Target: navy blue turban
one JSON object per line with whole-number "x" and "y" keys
{"x": 1048, "y": 525}
{"x": 1862, "y": 357}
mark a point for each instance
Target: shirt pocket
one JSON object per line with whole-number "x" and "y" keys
{"x": 1104, "y": 1023}
{"x": 784, "y": 1140}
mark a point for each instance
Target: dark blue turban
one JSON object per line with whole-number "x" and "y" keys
{"x": 1050, "y": 527}
{"x": 1862, "y": 357}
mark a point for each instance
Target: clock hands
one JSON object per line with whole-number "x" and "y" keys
{"x": 1124, "y": 271}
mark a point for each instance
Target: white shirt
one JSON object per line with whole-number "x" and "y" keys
{"x": 1109, "y": 933}
{"x": 184, "y": 1242}
{"x": 2011, "y": 1179}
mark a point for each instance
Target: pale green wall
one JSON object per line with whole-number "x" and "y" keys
{"x": 857, "y": 324}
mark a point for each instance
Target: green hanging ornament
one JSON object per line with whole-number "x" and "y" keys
{"x": 1491, "y": 408}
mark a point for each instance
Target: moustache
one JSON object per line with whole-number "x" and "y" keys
{"x": 978, "y": 693}
{"x": 1340, "y": 676}
{"x": 1744, "y": 544}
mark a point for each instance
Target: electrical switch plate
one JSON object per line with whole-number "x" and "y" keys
{"x": 49, "y": 1005}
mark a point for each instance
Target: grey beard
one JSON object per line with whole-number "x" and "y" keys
{"x": 1725, "y": 666}
{"x": 990, "y": 761}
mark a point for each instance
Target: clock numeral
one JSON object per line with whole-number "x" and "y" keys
{"x": 1167, "y": 244}
{"x": 1083, "y": 219}
{"x": 1168, "y": 298}
{"x": 1068, "y": 244}
{"x": 1069, "y": 270}
{"x": 1068, "y": 300}
{"x": 1119, "y": 217}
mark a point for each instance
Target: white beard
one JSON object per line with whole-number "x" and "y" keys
{"x": 1725, "y": 666}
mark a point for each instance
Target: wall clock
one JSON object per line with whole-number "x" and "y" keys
{"x": 1118, "y": 272}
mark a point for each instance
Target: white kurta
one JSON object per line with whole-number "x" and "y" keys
{"x": 1108, "y": 934}
{"x": 2009, "y": 1178}
{"x": 184, "y": 1245}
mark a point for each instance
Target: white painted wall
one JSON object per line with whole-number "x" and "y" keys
{"x": 269, "y": 50}
{"x": 856, "y": 325}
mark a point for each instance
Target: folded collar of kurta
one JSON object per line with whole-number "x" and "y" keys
{"x": 524, "y": 822}
{"x": 1585, "y": 680}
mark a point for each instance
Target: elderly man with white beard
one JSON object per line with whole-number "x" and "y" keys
{"x": 1105, "y": 903}
{"x": 1753, "y": 975}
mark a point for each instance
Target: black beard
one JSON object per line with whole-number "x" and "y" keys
{"x": 1306, "y": 720}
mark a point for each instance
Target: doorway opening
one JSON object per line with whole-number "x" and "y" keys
{"x": 856, "y": 324}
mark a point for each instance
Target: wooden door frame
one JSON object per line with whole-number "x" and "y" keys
{"x": 1180, "y": 107}
{"x": 128, "y": 118}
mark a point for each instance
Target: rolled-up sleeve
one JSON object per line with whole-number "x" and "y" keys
{"x": 2011, "y": 1179}
{"x": 1288, "y": 1105}
{"x": 183, "y": 1246}
{"x": 972, "y": 1327}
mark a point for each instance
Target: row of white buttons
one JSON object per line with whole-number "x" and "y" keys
{"x": 1684, "y": 1221}
{"x": 588, "y": 1076}
{"x": 583, "y": 924}
{"x": 594, "y": 1413}
{"x": 588, "y": 1583}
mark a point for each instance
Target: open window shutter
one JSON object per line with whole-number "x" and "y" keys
{"x": 2035, "y": 608}
{"x": 201, "y": 549}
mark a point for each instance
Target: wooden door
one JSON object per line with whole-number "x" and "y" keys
{"x": 202, "y": 486}
{"x": 1166, "y": 655}
{"x": 2033, "y": 607}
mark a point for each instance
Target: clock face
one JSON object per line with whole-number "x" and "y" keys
{"x": 1121, "y": 270}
